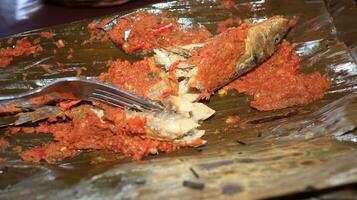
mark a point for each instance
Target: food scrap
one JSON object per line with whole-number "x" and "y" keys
{"x": 4, "y": 61}
{"x": 4, "y": 144}
{"x": 80, "y": 71}
{"x": 277, "y": 83}
{"x": 60, "y": 68}
{"x": 230, "y": 22}
{"x": 95, "y": 34}
{"x": 228, "y": 4}
{"x": 222, "y": 26}
{"x": 17, "y": 149}
{"x": 60, "y": 43}
{"x": 232, "y": 119}
{"x": 10, "y": 40}
{"x": 22, "y": 47}
{"x": 2, "y": 160}
{"x": 70, "y": 53}
{"x": 46, "y": 34}
{"x": 47, "y": 68}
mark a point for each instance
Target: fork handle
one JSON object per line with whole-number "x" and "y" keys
{"x": 23, "y": 95}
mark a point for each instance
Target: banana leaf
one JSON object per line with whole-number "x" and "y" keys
{"x": 301, "y": 149}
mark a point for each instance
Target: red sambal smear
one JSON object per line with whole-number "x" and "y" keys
{"x": 216, "y": 60}
{"x": 228, "y": 4}
{"x": 22, "y": 47}
{"x": 143, "y": 78}
{"x": 230, "y": 22}
{"x": 277, "y": 83}
{"x": 142, "y": 32}
{"x": 46, "y": 34}
{"x": 87, "y": 131}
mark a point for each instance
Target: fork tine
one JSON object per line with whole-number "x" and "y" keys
{"x": 129, "y": 101}
{"x": 122, "y": 95}
{"x": 126, "y": 96}
{"x": 113, "y": 102}
{"x": 114, "y": 96}
{"x": 106, "y": 102}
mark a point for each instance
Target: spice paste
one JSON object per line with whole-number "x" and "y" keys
{"x": 277, "y": 83}
{"x": 142, "y": 32}
{"x": 143, "y": 78}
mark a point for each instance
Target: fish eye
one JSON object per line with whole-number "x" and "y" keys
{"x": 277, "y": 39}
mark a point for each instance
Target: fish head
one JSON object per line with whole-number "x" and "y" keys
{"x": 262, "y": 40}
{"x": 267, "y": 35}
{"x": 275, "y": 30}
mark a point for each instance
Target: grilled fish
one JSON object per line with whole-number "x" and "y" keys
{"x": 203, "y": 68}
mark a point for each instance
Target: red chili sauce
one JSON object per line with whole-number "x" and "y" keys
{"x": 22, "y": 47}
{"x": 143, "y": 78}
{"x": 277, "y": 83}
{"x": 142, "y": 32}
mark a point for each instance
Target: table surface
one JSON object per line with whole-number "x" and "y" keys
{"x": 18, "y": 16}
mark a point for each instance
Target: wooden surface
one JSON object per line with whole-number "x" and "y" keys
{"x": 267, "y": 154}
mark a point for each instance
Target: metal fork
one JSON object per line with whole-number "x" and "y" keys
{"x": 90, "y": 90}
